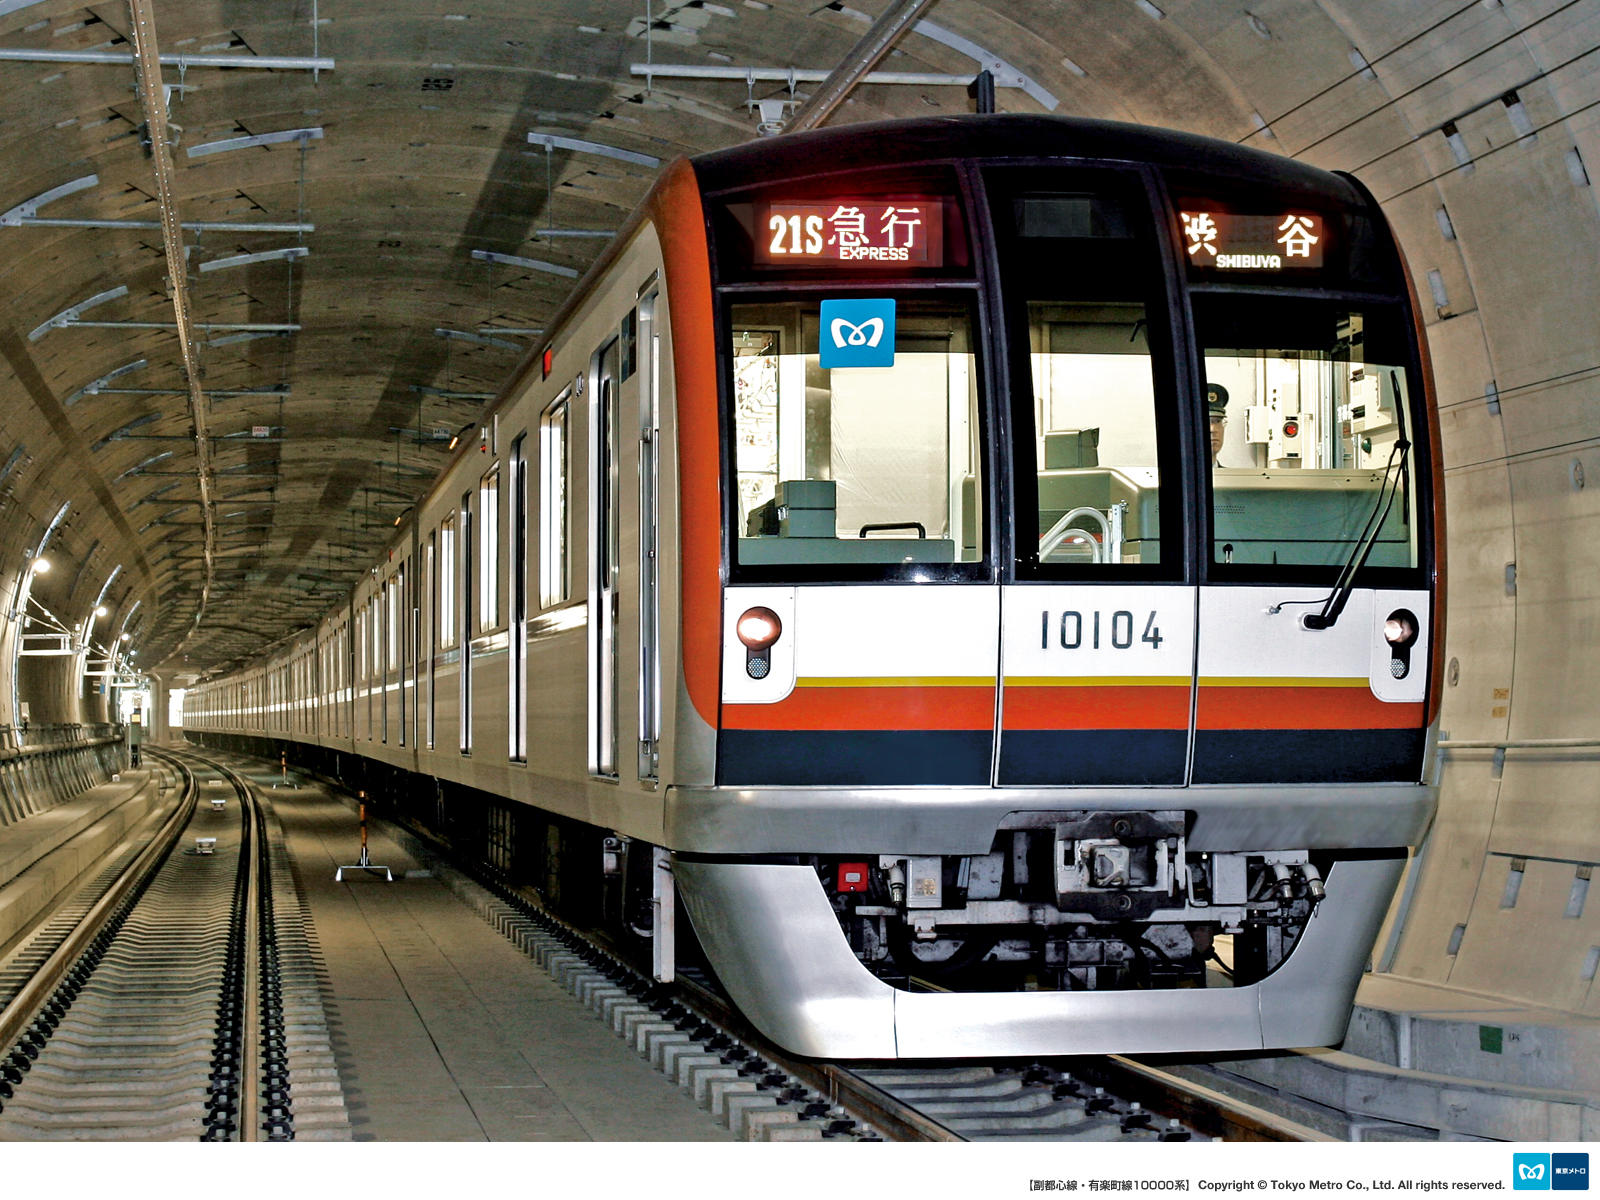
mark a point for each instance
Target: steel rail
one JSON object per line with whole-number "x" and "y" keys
{"x": 1210, "y": 1111}
{"x": 19, "y": 1014}
{"x": 252, "y": 859}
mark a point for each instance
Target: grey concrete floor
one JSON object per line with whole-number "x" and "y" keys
{"x": 444, "y": 1031}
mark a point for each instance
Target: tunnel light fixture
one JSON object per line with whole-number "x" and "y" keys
{"x": 17, "y": 214}
{"x": 27, "y": 213}
{"x": 245, "y": 260}
{"x": 447, "y": 394}
{"x": 139, "y": 467}
{"x": 100, "y": 610}
{"x": 307, "y": 134}
{"x": 40, "y": 566}
{"x": 529, "y": 264}
{"x": 93, "y": 388}
{"x": 234, "y": 339}
{"x": 67, "y": 315}
{"x": 597, "y": 234}
{"x": 461, "y": 335}
{"x": 554, "y": 141}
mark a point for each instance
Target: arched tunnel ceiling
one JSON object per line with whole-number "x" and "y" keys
{"x": 331, "y": 355}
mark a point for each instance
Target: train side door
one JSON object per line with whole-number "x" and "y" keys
{"x": 648, "y": 342}
{"x": 518, "y": 625}
{"x": 605, "y": 528}
{"x": 1098, "y": 612}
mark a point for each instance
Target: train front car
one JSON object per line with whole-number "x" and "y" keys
{"x": 1079, "y": 624}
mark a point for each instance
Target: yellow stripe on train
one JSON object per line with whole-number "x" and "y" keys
{"x": 886, "y": 681}
{"x": 1296, "y": 681}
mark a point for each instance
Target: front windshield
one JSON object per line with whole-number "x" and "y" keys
{"x": 1306, "y": 404}
{"x": 857, "y": 466}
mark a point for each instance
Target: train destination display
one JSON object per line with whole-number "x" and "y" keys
{"x": 901, "y": 232}
{"x": 1252, "y": 242}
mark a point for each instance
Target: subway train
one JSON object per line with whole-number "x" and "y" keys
{"x": 984, "y": 571}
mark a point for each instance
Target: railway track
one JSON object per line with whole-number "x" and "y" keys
{"x": 178, "y": 1000}
{"x": 695, "y": 1037}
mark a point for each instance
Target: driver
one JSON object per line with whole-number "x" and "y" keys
{"x": 1217, "y": 411}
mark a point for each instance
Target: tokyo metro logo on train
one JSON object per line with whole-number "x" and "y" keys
{"x": 857, "y": 333}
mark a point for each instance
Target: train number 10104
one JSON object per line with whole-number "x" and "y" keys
{"x": 1072, "y": 630}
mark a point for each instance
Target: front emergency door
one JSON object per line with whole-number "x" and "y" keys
{"x": 1098, "y": 627}
{"x": 1096, "y": 684}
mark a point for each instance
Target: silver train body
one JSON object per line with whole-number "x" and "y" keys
{"x": 988, "y": 568}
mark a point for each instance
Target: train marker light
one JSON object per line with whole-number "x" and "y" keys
{"x": 758, "y": 628}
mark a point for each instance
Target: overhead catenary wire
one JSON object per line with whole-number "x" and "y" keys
{"x": 1433, "y": 79}
{"x": 1356, "y": 74}
{"x": 1456, "y": 66}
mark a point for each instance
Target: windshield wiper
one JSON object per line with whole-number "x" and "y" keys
{"x": 1345, "y": 583}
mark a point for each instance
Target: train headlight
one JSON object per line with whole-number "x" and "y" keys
{"x": 758, "y": 628}
{"x": 1400, "y": 631}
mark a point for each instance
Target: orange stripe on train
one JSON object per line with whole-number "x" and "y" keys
{"x": 1106, "y": 707}
{"x": 1301, "y": 707}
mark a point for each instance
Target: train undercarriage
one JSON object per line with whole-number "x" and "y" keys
{"x": 1088, "y": 901}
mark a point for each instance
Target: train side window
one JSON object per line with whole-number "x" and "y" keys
{"x": 555, "y": 575}
{"x": 871, "y": 466}
{"x": 489, "y": 549}
{"x": 446, "y": 597}
{"x": 630, "y": 346}
{"x": 1309, "y": 411}
{"x": 394, "y": 587}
